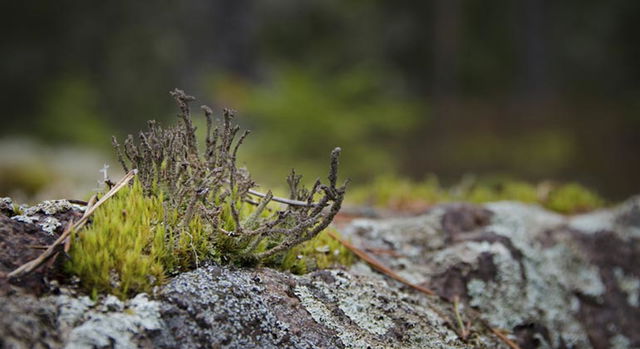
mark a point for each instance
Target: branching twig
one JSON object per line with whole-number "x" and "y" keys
{"x": 195, "y": 184}
{"x": 283, "y": 200}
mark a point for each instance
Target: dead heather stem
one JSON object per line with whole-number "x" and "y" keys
{"x": 211, "y": 186}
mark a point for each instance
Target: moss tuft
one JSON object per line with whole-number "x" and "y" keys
{"x": 399, "y": 193}
{"x": 573, "y": 198}
{"x": 128, "y": 249}
{"x": 121, "y": 252}
{"x": 186, "y": 207}
{"x": 321, "y": 252}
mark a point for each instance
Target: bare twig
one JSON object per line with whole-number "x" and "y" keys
{"x": 379, "y": 266}
{"x": 464, "y": 333}
{"x": 507, "y": 341}
{"x": 283, "y": 200}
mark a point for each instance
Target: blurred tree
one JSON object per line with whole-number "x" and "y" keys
{"x": 302, "y": 116}
{"x": 500, "y": 68}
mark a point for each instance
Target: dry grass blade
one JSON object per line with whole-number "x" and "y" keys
{"x": 464, "y": 331}
{"x": 507, "y": 341}
{"x": 379, "y": 266}
{"x": 72, "y": 226}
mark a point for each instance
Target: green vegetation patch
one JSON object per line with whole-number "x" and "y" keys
{"x": 187, "y": 206}
{"x": 400, "y": 193}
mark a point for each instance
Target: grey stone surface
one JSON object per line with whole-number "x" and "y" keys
{"x": 551, "y": 281}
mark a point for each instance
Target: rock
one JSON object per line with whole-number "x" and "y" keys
{"x": 6, "y": 207}
{"x": 551, "y": 281}
{"x": 23, "y": 236}
{"x": 50, "y": 215}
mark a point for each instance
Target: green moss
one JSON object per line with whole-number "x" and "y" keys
{"x": 507, "y": 190}
{"x": 127, "y": 249}
{"x": 321, "y": 252}
{"x": 399, "y": 193}
{"x": 573, "y": 198}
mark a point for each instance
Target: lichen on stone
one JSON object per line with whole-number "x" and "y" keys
{"x": 630, "y": 285}
{"x": 49, "y": 207}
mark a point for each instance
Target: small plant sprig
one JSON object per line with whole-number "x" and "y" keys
{"x": 211, "y": 187}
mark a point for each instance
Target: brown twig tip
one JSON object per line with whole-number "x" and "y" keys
{"x": 207, "y": 110}
{"x": 179, "y": 94}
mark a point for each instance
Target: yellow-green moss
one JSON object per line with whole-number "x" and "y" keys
{"x": 507, "y": 190}
{"x": 399, "y": 193}
{"x": 573, "y": 198}
{"x": 127, "y": 248}
{"x": 321, "y": 252}
{"x": 395, "y": 191}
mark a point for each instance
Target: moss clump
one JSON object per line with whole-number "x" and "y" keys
{"x": 399, "y": 193}
{"x": 128, "y": 248}
{"x": 121, "y": 251}
{"x": 186, "y": 207}
{"x": 573, "y": 198}
{"x": 321, "y": 252}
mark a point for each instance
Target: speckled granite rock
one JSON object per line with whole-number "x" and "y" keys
{"x": 551, "y": 281}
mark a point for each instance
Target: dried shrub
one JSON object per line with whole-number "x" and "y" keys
{"x": 243, "y": 224}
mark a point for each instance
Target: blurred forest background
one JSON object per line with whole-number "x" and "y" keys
{"x": 530, "y": 89}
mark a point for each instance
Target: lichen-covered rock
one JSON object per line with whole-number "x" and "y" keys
{"x": 6, "y": 206}
{"x": 22, "y": 237}
{"x": 50, "y": 215}
{"x": 262, "y": 308}
{"x": 550, "y": 281}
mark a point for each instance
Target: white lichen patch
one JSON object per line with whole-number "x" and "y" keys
{"x": 42, "y": 214}
{"x": 6, "y": 203}
{"x": 49, "y": 207}
{"x": 630, "y": 285}
{"x": 25, "y": 219}
{"x": 571, "y": 270}
{"x": 50, "y": 224}
{"x": 619, "y": 342}
{"x": 412, "y": 235}
{"x": 367, "y": 312}
{"x": 552, "y": 276}
{"x": 71, "y": 310}
{"x": 322, "y": 315}
{"x": 593, "y": 222}
{"x": 116, "y": 329}
{"x": 610, "y": 220}
{"x": 503, "y": 306}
